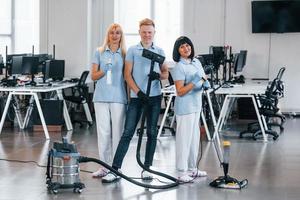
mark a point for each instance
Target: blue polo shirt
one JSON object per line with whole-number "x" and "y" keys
{"x": 141, "y": 69}
{"x": 115, "y": 92}
{"x": 191, "y": 102}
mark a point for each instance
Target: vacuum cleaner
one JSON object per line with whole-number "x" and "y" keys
{"x": 63, "y": 170}
{"x": 63, "y": 167}
{"x": 226, "y": 181}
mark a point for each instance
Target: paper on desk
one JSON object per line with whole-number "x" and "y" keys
{"x": 169, "y": 89}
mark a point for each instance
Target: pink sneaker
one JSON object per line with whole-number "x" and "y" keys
{"x": 100, "y": 173}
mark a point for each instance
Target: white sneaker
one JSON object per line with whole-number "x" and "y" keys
{"x": 185, "y": 178}
{"x": 110, "y": 177}
{"x": 100, "y": 173}
{"x": 197, "y": 173}
{"x": 146, "y": 175}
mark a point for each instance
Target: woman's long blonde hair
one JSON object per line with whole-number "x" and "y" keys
{"x": 105, "y": 44}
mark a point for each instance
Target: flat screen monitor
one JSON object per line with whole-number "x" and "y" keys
{"x": 30, "y": 65}
{"x": 240, "y": 61}
{"x": 16, "y": 65}
{"x": 42, "y": 61}
{"x": 205, "y": 59}
{"x": 235, "y": 60}
{"x": 218, "y": 55}
{"x": 275, "y": 16}
{"x": 55, "y": 69}
{"x": 10, "y": 56}
{"x": 43, "y": 57}
{"x": 1, "y": 64}
{"x": 9, "y": 61}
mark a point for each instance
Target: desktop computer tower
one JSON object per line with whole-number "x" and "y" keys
{"x": 246, "y": 109}
{"x": 52, "y": 111}
{"x": 10, "y": 117}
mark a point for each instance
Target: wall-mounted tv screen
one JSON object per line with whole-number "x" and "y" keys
{"x": 275, "y": 16}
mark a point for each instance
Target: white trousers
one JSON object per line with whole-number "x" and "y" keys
{"x": 110, "y": 119}
{"x": 187, "y": 141}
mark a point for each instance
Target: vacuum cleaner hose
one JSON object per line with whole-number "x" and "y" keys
{"x": 167, "y": 186}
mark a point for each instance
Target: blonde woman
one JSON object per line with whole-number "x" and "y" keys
{"x": 110, "y": 97}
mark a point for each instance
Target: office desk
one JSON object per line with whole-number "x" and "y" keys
{"x": 33, "y": 92}
{"x": 170, "y": 92}
{"x": 247, "y": 90}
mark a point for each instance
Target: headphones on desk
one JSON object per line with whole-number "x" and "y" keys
{"x": 9, "y": 82}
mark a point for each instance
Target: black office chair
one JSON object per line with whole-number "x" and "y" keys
{"x": 269, "y": 109}
{"x": 269, "y": 104}
{"x": 79, "y": 96}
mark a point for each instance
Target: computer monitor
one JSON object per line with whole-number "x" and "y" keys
{"x": 54, "y": 69}
{"x": 16, "y": 65}
{"x": 206, "y": 61}
{"x": 9, "y": 61}
{"x": 240, "y": 62}
{"x": 42, "y": 61}
{"x": 30, "y": 65}
{"x": 218, "y": 55}
{"x": 43, "y": 57}
{"x": 1, "y": 64}
{"x": 10, "y": 56}
{"x": 235, "y": 59}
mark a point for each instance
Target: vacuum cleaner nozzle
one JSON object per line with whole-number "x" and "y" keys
{"x": 226, "y": 181}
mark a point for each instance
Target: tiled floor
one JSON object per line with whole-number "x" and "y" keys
{"x": 272, "y": 168}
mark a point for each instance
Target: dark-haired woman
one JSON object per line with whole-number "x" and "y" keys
{"x": 189, "y": 78}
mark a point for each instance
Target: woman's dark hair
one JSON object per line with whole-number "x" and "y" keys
{"x": 180, "y": 41}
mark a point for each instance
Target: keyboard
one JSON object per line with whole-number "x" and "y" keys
{"x": 42, "y": 84}
{"x": 260, "y": 79}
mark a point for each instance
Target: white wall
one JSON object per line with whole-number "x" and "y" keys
{"x": 76, "y": 27}
{"x": 228, "y": 22}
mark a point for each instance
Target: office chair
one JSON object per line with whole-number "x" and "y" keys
{"x": 269, "y": 108}
{"x": 79, "y": 96}
{"x": 269, "y": 103}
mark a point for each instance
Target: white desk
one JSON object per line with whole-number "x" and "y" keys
{"x": 170, "y": 91}
{"x": 247, "y": 90}
{"x": 33, "y": 92}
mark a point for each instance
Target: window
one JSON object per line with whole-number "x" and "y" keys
{"x": 19, "y": 26}
{"x": 5, "y": 24}
{"x": 166, "y": 15}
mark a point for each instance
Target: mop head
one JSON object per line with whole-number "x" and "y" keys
{"x": 228, "y": 182}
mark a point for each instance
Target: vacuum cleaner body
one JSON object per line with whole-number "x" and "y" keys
{"x": 63, "y": 168}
